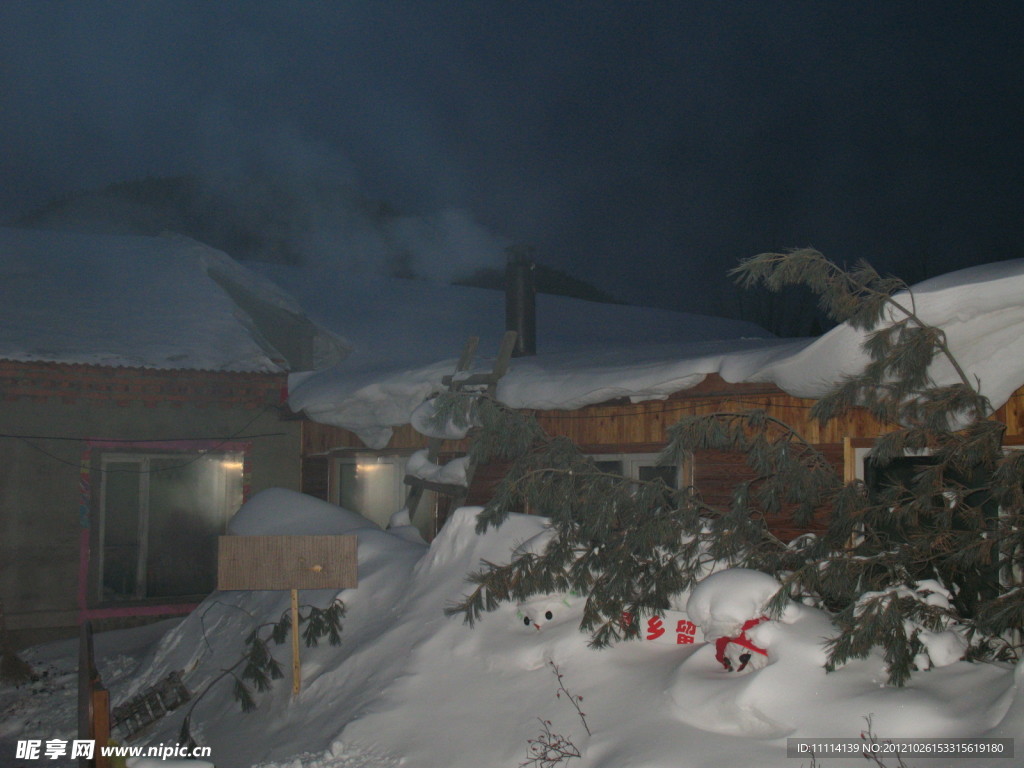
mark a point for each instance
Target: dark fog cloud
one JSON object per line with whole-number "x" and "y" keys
{"x": 646, "y": 144}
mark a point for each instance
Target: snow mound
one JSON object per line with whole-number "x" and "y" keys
{"x": 452, "y": 473}
{"x": 793, "y": 696}
{"x": 724, "y": 601}
{"x": 422, "y": 420}
{"x": 980, "y": 311}
{"x": 409, "y": 686}
{"x": 279, "y": 512}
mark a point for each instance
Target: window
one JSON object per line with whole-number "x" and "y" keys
{"x": 640, "y": 466}
{"x": 160, "y": 516}
{"x": 981, "y": 583}
{"x": 374, "y": 486}
{"x": 371, "y": 486}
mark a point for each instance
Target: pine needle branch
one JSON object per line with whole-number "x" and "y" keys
{"x": 925, "y": 543}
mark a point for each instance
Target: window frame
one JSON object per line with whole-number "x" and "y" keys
{"x": 92, "y": 602}
{"x": 857, "y": 449}
{"x": 145, "y": 512}
{"x": 632, "y": 463}
{"x": 399, "y": 459}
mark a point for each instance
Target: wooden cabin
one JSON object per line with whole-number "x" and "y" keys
{"x": 631, "y": 435}
{"x": 618, "y": 404}
{"x": 140, "y": 403}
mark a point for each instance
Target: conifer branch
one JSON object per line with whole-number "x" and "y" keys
{"x": 938, "y": 548}
{"x": 259, "y": 667}
{"x": 857, "y": 296}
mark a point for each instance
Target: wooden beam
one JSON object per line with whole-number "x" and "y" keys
{"x": 473, "y": 380}
{"x": 296, "y": 664}
{"x": 449, "y": 489}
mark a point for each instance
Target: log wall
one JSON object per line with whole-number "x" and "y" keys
{"x": 624, "y": 427}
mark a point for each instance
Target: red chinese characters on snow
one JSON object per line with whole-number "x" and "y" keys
{"x": 655, "y": 628}
{"x": 685, "y": 630}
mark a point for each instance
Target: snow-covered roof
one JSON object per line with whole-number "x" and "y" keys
{"x": 407, "y": 334}
{"x": 151, "y": 302}
{"x": 980, "y": 309}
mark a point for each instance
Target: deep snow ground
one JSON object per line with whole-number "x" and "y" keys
{"x": 411, "y": 687}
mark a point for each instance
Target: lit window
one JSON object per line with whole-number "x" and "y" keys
{"x": 371, "y": 486}
{"x": 374, "y": 486}
{"x": 160, "y": 516}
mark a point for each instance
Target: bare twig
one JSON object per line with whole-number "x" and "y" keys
{"x": 573, "y": 699}
{"x": 549, "y": 749}
{"x": 873, "y": 755}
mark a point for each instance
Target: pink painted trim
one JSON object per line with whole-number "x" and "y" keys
{"x": 136, "y": 610}
{"x": 84, "y": 549}
{"x": 83, "y": 571}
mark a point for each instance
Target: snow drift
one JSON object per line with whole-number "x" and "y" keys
{"x": 411, "y": 687}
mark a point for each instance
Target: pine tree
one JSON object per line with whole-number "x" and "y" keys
{"x": 938, "y": 547}
{"x": 259, "y": 668}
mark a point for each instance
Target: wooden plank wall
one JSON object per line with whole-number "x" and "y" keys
{"x": 624, "y": 427}
{"x": 641, "y": 427}
{"x": 1012, "y": 414}
{"x": 716, "y": 474}
{"x": 619, "y": 427}
{"x": 647, "y": 422}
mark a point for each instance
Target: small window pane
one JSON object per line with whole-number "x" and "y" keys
{"x": 186, "y": 515}
{"x": 669, "y": 474}
{"x": 121, "y": 529}
{"x": 371, "y": 488}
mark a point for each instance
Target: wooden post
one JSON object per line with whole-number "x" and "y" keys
{"x": 84, "y": 687}
{"x": 93, "y": 702}
{"x": 296, "y": 664}
{"x": 100, "y": 725}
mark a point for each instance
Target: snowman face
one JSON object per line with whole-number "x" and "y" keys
{"x": 537, "y": 614}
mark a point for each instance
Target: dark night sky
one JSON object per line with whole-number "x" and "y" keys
{"x": 647, "y": 145}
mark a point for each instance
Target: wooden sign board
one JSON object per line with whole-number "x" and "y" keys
{"x": 286, "y": 562}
